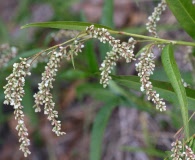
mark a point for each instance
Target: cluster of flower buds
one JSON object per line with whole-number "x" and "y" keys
{"x": 179, "y": 152}
{"x": 14, "y": 91}
{"x": 119, "y": 50}
{"x": 155, "y": 17}
{"x": 145, "y": 68}
{"x": 6, "y": 53}
{"x": 189, "y": 154}
{"x": 107, "y": 66}
{"x": 64, "y": 34}
{"x": 44, "y": 97}
{"x": 124, "y": 49}
{"x": 176, "y": 150}
{"x": 75, "y": 48}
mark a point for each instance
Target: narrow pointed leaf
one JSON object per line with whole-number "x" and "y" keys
{"x": 174, "y": 76}
{"x": 91, "y": 57}
{"x": 98, "y": 129}
{"x": 71, "y": 25}
{"x": 165, "y": 89}
{"x": 184, "y": 11}
{"x": 107, "y": 13}
{"x": 107, "y": 20}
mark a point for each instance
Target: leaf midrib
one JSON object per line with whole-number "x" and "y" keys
{"x": 187, "y": 12}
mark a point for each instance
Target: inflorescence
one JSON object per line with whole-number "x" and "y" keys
{"x": 6, "y": 54}
{"x": 145, "y": 68}
{"x": 119, "y": 50}
{"x": 14, "y": 91}
{"x": 155, "y": 17}
{"x": 44, "y": 97}
{"x": 179, "y": 152}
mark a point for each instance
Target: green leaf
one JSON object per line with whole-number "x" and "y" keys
{"x": 114, "y": 92}
{"x": 174, "y": 76}
{"x": 150, "y": 151}
{"x": 71, "y": 25}
{"x": 107, "y": 13}
{"x": 191, "y": 142}
{"x": 129, "y": 98}
{"x": 165, "y": 89}
{"x": 91, "y": 57}
{"x": 3, "y": 32}
{"x": 98, "y": 129}
{"x": 72, "y": 74}
{"x": 28, "y": 104}
{"x": 96, "y": 91}
{"x": 89, "y": 52}
{"x": 184, "y": 11}
{"x": 107, "y": 20}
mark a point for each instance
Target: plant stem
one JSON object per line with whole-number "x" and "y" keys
{"x": 53, "y": 47}
{"x": 159, "y": 40}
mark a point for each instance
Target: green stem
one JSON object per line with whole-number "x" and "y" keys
{"x": 53, "y": 47}
{"x": 159, "y": 40}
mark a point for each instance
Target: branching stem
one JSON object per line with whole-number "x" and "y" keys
{"x": 159, "y": 40}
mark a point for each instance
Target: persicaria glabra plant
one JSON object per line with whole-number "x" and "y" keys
{"x": 145, "y": 65}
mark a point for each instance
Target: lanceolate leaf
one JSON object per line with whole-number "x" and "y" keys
{"x": 107, "y": 20}
{"x": 98, "y": 129}
{"x": 165, "y": 89}
{"x": 184, "y": 11}
{"x": 91, "y": 57}
{"x": 28, "y": 103}
{"x": 174, "y": 76}
{"x": 71, "y": 25}
{"x": 107, "y": 13}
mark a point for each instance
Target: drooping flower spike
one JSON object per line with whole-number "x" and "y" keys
{"x": 119, "y": 50}
{"x": 14, "y": 92}
{"x": 145, "y": 68}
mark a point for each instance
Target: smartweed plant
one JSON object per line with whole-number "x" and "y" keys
{"x": 145, "y": 65}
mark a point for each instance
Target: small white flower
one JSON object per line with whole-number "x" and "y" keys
{"x": 13, "y": 96}
{"x": 142, "y": 88}
{"x": 44, "y": 97}
{"x": 20, "y": 122}
{"x": 154, "y": 18}
{"x": 145, "y": 68}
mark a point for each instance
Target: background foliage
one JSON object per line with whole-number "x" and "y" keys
{"x": 112, "y": 123}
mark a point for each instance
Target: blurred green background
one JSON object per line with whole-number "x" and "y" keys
{"x": 115, "y": 123}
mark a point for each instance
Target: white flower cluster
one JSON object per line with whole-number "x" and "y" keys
{"x": 107, "y": 66}
{"x": 124, "y": 49}
{"x": 75, "y": 48}
{"x": 13, "y": 95}
{"x": 6, "y": 53}
{"x": 176, "y": 150}
{"x": 193, "y": 1}
{"x": 145, "y": 68}
{"x": 155, "y": 17}
{"x": 64, "y": 34}
{"x": 189, "y": 153}
{"x": 44, "y": 97}
{"x": 14, "y": 91}
{"x": 180, "y": 153}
